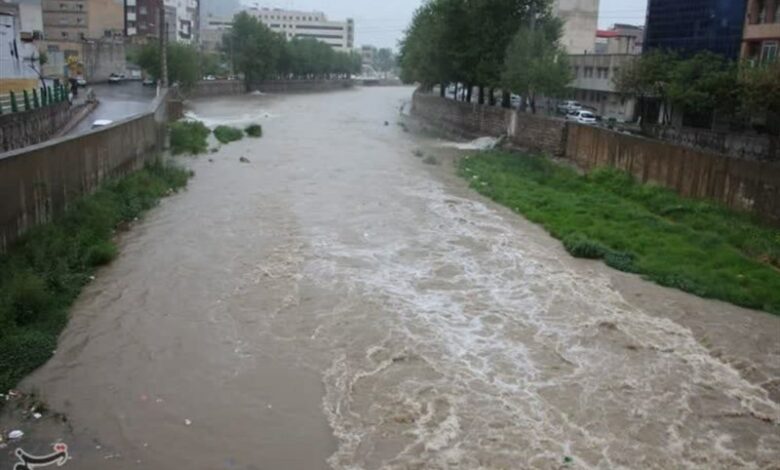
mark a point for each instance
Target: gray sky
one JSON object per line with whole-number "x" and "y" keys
{"x": 382, "y": 22}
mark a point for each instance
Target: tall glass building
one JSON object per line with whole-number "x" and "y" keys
{"x": 691, "y": 26}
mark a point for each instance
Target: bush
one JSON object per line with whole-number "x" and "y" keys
{"x": 189, "y": 137}
{"x": 580, "y": 246}
{"x": 621, "y": 261}
{"x": 227, "y": 134}
{"x": 101, "y": 253}
{"x": 254, "y": 130}
{"x": 44, "y": 271}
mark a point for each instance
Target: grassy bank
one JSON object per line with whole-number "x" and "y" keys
{"x": 189, "y": 137}
{"x": 43, "y": 273}
{"x": 695, "y": 246}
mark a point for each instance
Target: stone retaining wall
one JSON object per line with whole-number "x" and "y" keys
{"x": 25, "y": 128}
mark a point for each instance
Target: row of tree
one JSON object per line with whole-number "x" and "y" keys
{"x": 509, "y": 45}
{"x": 702, "y": 85}
{"x": 260, "y": 54}
{"x": 254, "y": 50}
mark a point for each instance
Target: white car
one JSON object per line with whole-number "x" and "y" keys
{"x": 582, "y": 117}
{"x": 568, "y": 107}
{"x": 114, "y": 78}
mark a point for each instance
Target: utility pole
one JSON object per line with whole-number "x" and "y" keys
{"x": 163, "y": 47}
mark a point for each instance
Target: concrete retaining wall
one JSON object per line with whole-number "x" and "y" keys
{"x": 19, "y": 130}
{"x": 39, "y": 182}
{"x": 471, "y": 120}
{"x": 206, "y": 88}
{"x": 294, "y": 86}
{"x": 747, "y": 147}
{"x": 740, "y": 184}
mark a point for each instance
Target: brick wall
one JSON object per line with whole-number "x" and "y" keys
{"x": 740, "y": 184}
{"x": 471, "y": 120}
{"x": 19, "y": 130}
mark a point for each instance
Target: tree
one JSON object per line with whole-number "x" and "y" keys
{"x": 183, "y": 63}
{"x": 536, "y": 63}
{"x": 384, "y": 61}
{"x": 648, "y": 77}
{"x": 253, "y": 48}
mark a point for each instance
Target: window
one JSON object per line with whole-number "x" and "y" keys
{"x": 769, "y": 51}
{"x": 777, "y": 13}
{"x": 588, "y": 72}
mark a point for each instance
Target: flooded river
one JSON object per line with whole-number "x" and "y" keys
{"x": 338, "y": 303}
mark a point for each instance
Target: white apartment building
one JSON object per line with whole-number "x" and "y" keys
{"x": 308, "y": 24}
{"x": 187, "y": 19}
{"x": 581, "y": 18}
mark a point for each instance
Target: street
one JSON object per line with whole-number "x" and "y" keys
{"x": 338, "y": 302}
{"x": 117, "y": 102}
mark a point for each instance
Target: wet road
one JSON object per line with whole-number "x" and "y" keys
{"x": 338, "y": 303}
{"x": 117, "y": 102}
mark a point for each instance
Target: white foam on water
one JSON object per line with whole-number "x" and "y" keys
{"x": 530, "y": 360}
{"x": 481, "y": 143}
{"x": 231, "y": 120}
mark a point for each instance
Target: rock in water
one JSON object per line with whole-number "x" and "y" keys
{"x": 244, "y": 160}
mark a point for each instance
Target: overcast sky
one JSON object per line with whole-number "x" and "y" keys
{"x": 382, "y": 22}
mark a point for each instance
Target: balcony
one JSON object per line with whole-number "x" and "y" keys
{"x": 757, "y": 32}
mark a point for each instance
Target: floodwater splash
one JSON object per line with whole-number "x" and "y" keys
{"x": 230, "y": 120}
{"x": 481, "y": 143}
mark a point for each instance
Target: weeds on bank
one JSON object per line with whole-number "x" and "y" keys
{"x": 43, "y": 273}
{"x": 189, "y": 137}
{"x": 695, "y": 246}
{"x": 254, "y": 130}
{"x": 227, "y": 134}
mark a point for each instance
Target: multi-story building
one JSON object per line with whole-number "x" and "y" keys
{"x": 761, "y": 37}
{"x": 368, "y": 55}
{"x": 620, "y": 39}
{"x": 186, "y": 26}
{"x": 308, "y": 24}
{"x": 78, "y": 20}
{"x": 30, "y": 19}
{"x": 594, "y": 84}
{"x": 212, "y": 30}
{"x": 691, "y": 26}
{"x": 18, "y": 58}
{"x": 142, "y": 19}
{"x": 581, "y": 18}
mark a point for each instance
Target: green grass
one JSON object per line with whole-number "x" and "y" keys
{"x": 227, "y": 134}
{"x": 43, "y": 273}
{"x": 189, "y": 137}
{"x": 696, "y": 246}
{"x": 254, "y": 130}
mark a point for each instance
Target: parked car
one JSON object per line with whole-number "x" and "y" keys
{"x": 114, "y": 79}
{"x": 569, "y": 106}
{"x": 582, "y": 117}
{"x": 209, "y": 78}
{"x": 149, "y": 82}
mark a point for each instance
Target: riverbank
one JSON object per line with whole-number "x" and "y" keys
{"x": 694, "y": 246}
{"x": 43, "y": 273}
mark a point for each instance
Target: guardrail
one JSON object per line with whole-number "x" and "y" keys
{"x": 36, "y": 98}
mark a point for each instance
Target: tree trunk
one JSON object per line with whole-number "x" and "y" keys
{"x": 506, "y": 99}
{"x": 533, "y": 104}
{"x": 492, "y": 97}
{"x": 481, "y": 95}
{"x": 442, "y": 90}
{"x": 457, "y": 89}
{"x": 468, "y": 93}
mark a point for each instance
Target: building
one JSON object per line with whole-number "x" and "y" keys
{"x": 692, "y": 26}
{"x": 761, "y": 36}
{"x": 581, "y": 18}
{"x": 594, "y": 84}
{"x": 78, "y": 20}
{"x": 30, "y": 19}
{"x": 620, "y": 39}
{"x": 308, "y": 24}
{"x": 19, "y": 67}
{"x": 142, "y": 18}
{"x": 212, "y": 30}
{"x": 368, "y": 55}
{"x": 187, "y": 24}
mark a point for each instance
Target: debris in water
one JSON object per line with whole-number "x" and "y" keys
{"x": 211, "y": 160}
{"x": 387, "y": 123}
{"x": 15, "y": 434}
{"x": 244, "y": 160}
{"x": 187, "y": 422}
{"x": 37, "y": 415}
{"x": 418, "y": 153}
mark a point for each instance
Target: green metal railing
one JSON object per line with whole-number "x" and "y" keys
{"x": 28, "y": 100}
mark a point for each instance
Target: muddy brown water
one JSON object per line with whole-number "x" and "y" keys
{"x": 338, "y": 303}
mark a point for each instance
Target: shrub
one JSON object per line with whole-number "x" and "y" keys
{"x": 28, "y": 297}
{"x": 189, "y": 137}
{"x": 254, "y": 130}
{"x": 621, "y": 261}
{"x": 101, "y": 253}
{"x": 227, "y": 134}
{"x": 581, "y": 246}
